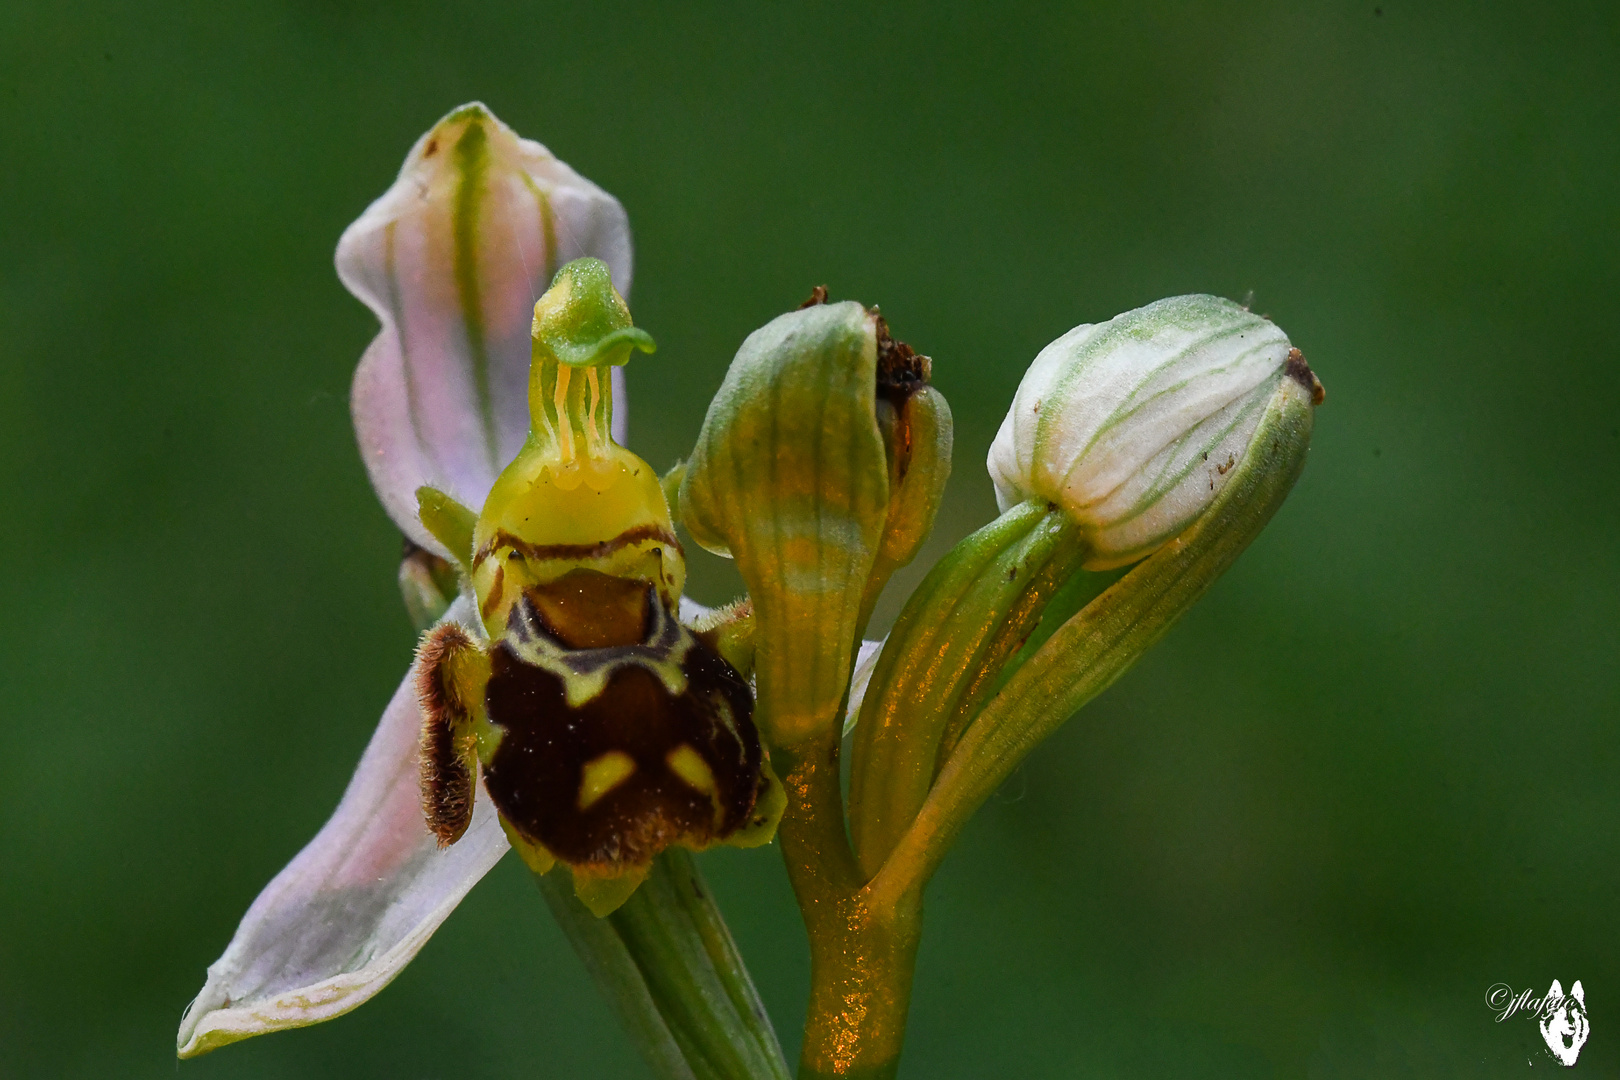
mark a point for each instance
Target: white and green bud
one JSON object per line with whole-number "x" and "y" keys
{"x": 1166, "y": 437}
{"x": 1135, "y": 425}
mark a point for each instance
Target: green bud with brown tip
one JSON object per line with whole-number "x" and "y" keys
{"x": 818, "y": 469}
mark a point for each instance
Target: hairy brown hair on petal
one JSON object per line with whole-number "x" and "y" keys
{"x": 446, "y": 747}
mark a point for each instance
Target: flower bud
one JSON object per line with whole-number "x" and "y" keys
{"x": 795, "y": 477}
{"x": 1135, "y": 425}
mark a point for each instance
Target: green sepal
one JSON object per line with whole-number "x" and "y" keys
{"x": 918, "y": 437}
{"x": 428, "y": 585}
{"x": 450, "y": 523}
{"x": 938, "y": 647}
{"x": 1060, "y": 590}
{"x": 791, "y": 478}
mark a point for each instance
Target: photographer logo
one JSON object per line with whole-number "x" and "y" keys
{"x": 1562, "y": 1018}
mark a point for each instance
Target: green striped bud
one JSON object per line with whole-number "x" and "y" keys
{"x": 818, "y": 469}
{"x": 1135, "y": 425}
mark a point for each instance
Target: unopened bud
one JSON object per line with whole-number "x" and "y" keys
{"x": 1135, "y": 425}
{"x": 818, "y": 470}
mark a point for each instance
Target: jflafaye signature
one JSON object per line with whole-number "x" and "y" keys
{"x": 1562, "y": 1018}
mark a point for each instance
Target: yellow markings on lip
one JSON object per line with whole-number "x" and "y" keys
{"x": 687, "y": 764}
{"x": 602, "y": 774}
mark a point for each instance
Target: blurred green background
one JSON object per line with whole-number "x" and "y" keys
{"x": 1372, "y": 774}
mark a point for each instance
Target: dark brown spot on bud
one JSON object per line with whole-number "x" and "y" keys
{"x": 1297, "y": 369}
{"x": 901, "y": 370}
{"x": 818, "y": 295}
{"x": 446, "y": 746}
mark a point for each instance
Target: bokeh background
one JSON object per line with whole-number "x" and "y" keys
{"x": 1372, "y": 774}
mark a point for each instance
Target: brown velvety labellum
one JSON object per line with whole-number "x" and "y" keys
{"x": 558, "y": 776}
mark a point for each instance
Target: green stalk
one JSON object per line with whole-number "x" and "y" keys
{"x": 861, "y": 955}
{"x": 863, "y": 952}
{"x": 972, "y": 613}
{"x": 668, "y": 965}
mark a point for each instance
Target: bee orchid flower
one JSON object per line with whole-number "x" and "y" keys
{"x": 568, "y": 702}
{"x": 451, "y": 259}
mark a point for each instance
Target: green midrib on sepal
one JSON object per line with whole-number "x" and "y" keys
{"x": 413, "y": 393}
{"x": 472, "y": 163}
{"x": 548, "y": 223}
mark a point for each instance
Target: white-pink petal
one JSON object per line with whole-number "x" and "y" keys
{"x": 451, "y": 259}
{"x": 352, "y": 909}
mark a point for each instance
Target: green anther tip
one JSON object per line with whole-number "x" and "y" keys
{"x": 582, "y": 321}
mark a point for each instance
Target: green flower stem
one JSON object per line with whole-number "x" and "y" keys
{"x": 1097, "y": 645}
{"x": 667, "y": 963}
{"x": 983, "y": 600}
{"x": 615, "y": 973}
{"x": 861, "y": 959}
{"x": 1060, "y": 589}
{"x": 861, "y": 955}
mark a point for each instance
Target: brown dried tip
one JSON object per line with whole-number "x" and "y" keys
{"x": 1297, "y": 369}
{"x": 901, "y": 370}
{"x": 445, "y": 757}
{"x": 818, "y": 295}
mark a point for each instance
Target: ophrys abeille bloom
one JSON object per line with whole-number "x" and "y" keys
{"x": 605, "y": 730}
{"x": 451, "y": 259}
